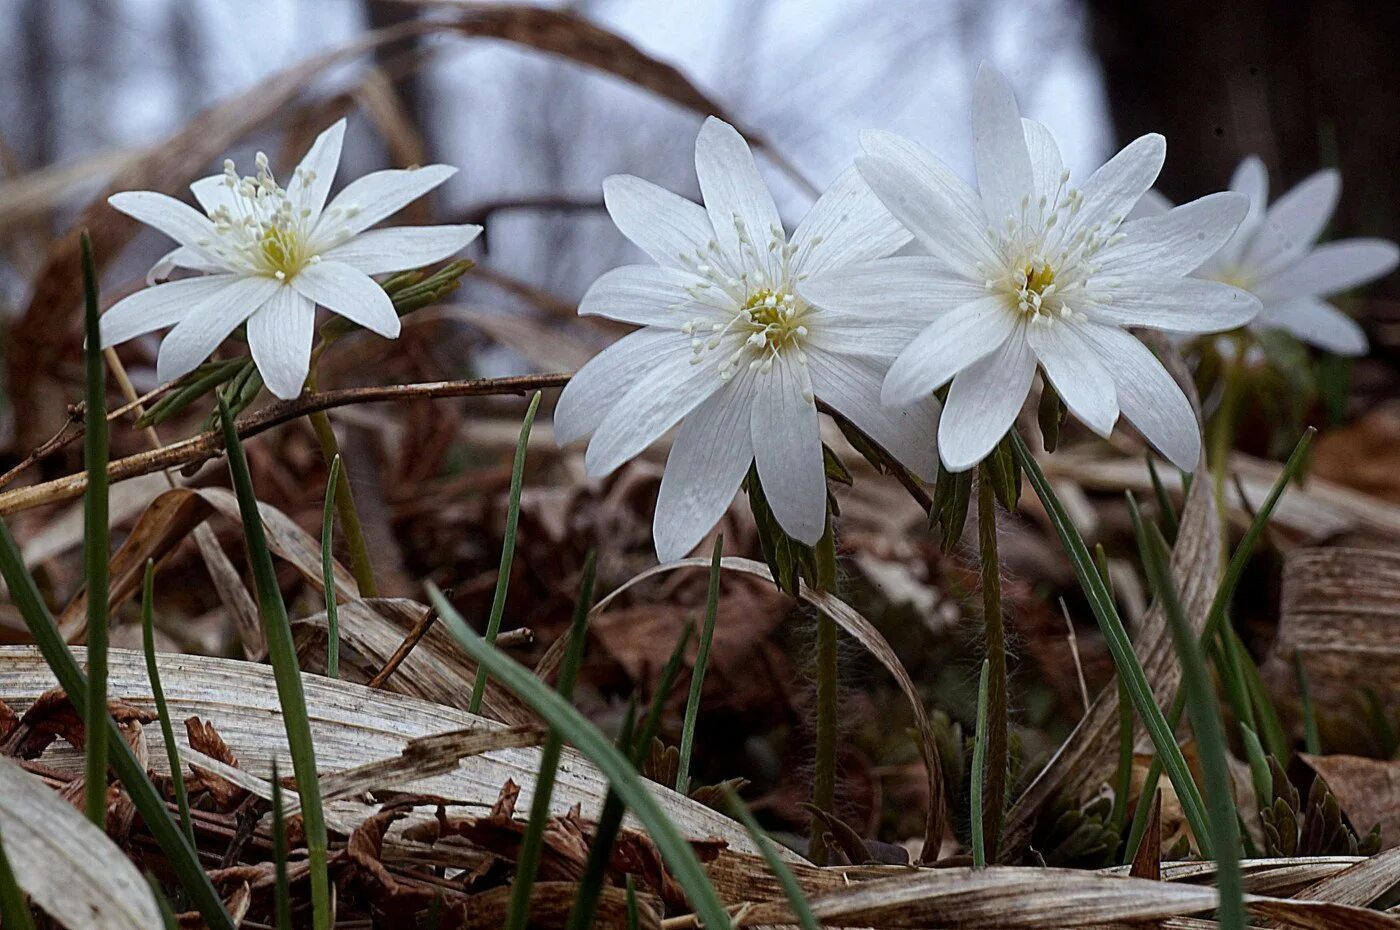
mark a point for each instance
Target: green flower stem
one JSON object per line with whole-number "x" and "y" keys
{"x": 360, "y": 565}
{"x": 979, "y": 771}
{"x": 996, "y": 734}
{"x": 1222, "y": 427}
{"x": 828, "y": 672}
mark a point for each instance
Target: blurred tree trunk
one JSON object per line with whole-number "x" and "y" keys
{"x": 1303, "y": 85}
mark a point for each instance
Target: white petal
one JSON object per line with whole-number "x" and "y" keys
{"x": 1315, "y": 322}
{"x": 647, "y": 295}
{"x": 179, "y": 221}
{"x": 1294, "y": 222}
{"x": 1333, "y": 267}
{"x": 1177, "y": 242}
{"x": 851, "y": 385}
{"x": 711, "y": 454}
{"x": 788, "y": 450}
{"x": 999, "y": 144}
{"x": 213, "y": 192}
{"x": 1153, "y": 203}
{"x": 957, "y": 340}
{"x": 321, "y": 161}
{"x": 664, "y": 225}
{"x": 1076, "y": 373}
{"x": 983, "y": 402}
{"x": 735, "y": 194}
{"x": 1047, "y": 167}
{"x": 847, "y": 224}
{"x": 377, "y": 195}
{"x": 927, "y": 197}
{"x": 598, "y": 385}
{"x": 158, "y": 307}
{"x": 279, "y": 335}
{"x": 1112, "y": 191}
{"x": 400, "y": 248}
{"x": 181, "y": 257}
{"x": 909, "y": 289}
{"x": 860, "y": 334}
{"x": 351, "y": 293}
{"x": 667, "y": 390}
{"x": 1251, "y": 178}
{"x": 1148, "y": 395}
{"x": 1178, "y": 305}
{"x": 209, "y": 323}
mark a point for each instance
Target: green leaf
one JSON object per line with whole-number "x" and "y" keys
{"x": 622, "y": 775}
{"x": 282, "y": 654}
{"x": 167, "y": 729}
{"x": 328, "y": 573}
{"x": 697, "y": 673}
{"x": 789, "y": 560}
{"x": 498, "y": 599}
{"x": 1312, "y": 739}
{"x": 282, "y": 887}
{"x": 95, "y": 547}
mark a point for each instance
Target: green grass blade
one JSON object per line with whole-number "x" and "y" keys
{"x": 1227, "y": 662}
{"x": 1116, "y": 637}
{"x": 95, "y": 554}
{"x": 1204, "y": 710}
{"x": 1312, "y": 739}
{"x": 1259, "y": 772}
{"x": 796, "y": 899}
{"x": 179, "y": 855}
{"x": 498, "y": 599}
{"x": 697, "y": 674}
{"x": 282, "y": 889}
{"x": 979, "y": 772}
{"x": 532, "y": 845}
{"x": 634, "y": 920}
{"x": 1164, "y": 501}
{"x": 167, "y": 913}
{"x": 1271, "y": 728}
{"x": 282, "y": 654}
{"x": 1221, "y": 602}
{"x": 560, "y": 714}
{"x": 167, "y": 729}
{"x": 328, "y": 573}
{"x": 14, "y": 907}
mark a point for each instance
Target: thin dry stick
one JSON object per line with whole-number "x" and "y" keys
{"x": 415, "y": 635}
{"x": 1074, "y": 651}
{"x": 208, "y": 445}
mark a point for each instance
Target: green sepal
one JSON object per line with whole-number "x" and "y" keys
{"x": 789, "y": 560}
{"x": 952, "y": 493}
{"x": 1001, "y": 466}
{"x": 1051, "y": 416}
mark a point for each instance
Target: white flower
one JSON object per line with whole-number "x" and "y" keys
{"x": 732, "y": 347}
{"x": 1274, "y": 255}
{"x": 270, "y": 255}
{"x": 1034, "y": 272}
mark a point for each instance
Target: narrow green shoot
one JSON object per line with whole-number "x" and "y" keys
{"x": 179, "y": 854}
{"x": 995, "y": 735}
{"x": 1204, "y": 711}
{"x": 634, "y": 919}
{"x": 636, "y": 745}
{"x": 498, "y": 599}
{"x": 1215, "y": 618}
{"x": 328, "y": 572}
{"x": 282, "y": 654}
{"x": 1123, "y": 773}
{"x": 1312, "y": 739}
{"x": 532, "y": 845}
{"x": 14, "y": 907}
{"x": 282, "y": 890}
{"x": 597, "y": 748}
{"x": 1166, "y": 511}
{"x": 1121, "y": 648}
{"x": 1270, "y": 727}
{"x": 1259, "y": 772}
{"x": 167, "y": 729}
{"x": 828, "y": 699}
{"x": 167, "y": 913}
{"x": 979, "y": 772}
{"x": 95, "y": 538}
{"x": 796, "y": 899}
{"x": 697, "y": 674}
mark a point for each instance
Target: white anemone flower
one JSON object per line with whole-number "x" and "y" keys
{"x": 733, "y": 349}
{"x": 269, "y": 255}
{"x": 1275, "y": 256}
{"x": 1029, "y": 272}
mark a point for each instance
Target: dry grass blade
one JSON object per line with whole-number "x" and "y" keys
{"x": 352, "y": 725}
{"x": 66, "y": 865}
{"x": 1008, "y": 898}
{"x": 864, "y": 633}
{"x": 1360, "y": 885}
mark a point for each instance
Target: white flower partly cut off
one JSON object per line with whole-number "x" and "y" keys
{"x": 1029, "y": 272}
{"x": 1275, "y": 256}
{"x": 733, "y": 349}
{"x": 269, "y": 255}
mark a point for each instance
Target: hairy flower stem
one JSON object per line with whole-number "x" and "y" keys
{"x": 994, "y": 791}
{"x": 1222, "y": 428}
{"x": 824, "y": 780}
{"x": 360, "y": 565}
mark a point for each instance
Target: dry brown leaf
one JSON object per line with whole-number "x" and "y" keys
{"x": 1361, "y": 884}
{"x": 68, "y": 866}
{"x": 550, "y": 905}
{"x": 1368, "y": 791}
